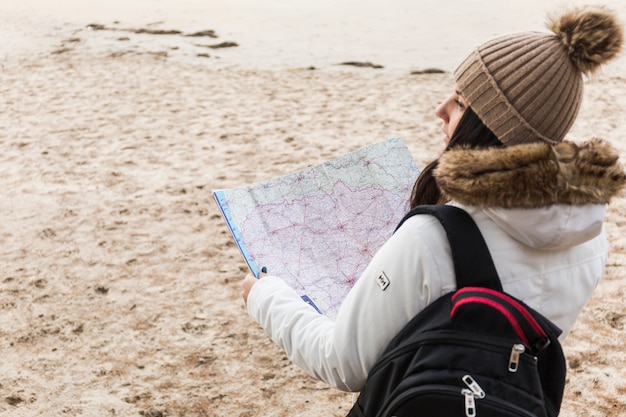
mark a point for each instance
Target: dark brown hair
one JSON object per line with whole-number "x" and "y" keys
{"x": 470, "y": 133}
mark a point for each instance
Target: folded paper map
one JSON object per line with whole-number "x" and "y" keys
{"x": 318, "y": 228}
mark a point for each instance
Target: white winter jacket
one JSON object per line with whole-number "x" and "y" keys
{"x": 549, "y": 255}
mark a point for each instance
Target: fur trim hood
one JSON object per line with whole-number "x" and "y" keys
{"x": 532, "y": 175}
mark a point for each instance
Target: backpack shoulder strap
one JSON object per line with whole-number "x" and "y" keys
{"x": 473, "y": 265}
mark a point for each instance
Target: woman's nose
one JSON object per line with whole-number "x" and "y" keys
{"x": 441, "y": 113}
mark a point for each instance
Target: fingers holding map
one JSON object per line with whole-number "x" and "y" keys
{"x": 319, "y": 227}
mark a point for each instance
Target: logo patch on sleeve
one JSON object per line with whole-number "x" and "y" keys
{"x": 382, "y": 281}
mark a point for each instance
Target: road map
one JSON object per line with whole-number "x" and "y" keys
{"x": 318, "y": 228}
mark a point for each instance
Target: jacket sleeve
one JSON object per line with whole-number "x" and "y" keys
{"x": 342, "y": 352}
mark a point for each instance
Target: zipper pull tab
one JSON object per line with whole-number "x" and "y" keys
{"x": 516, "y": 351}
{"x": 473, "y": 386}
{"x": 470, "y": 403}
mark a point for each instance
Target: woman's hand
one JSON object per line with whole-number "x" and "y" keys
{"x": 247, "y": 284}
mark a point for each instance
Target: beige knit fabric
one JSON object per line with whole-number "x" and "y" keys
{"x": 523, "y": 87}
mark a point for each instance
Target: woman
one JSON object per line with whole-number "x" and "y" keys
{"x": 539, "y": 202}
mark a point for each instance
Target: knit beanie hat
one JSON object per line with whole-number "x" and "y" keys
{"x": 527, "y": 87}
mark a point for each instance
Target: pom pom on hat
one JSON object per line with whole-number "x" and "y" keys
{"x": 592, "y": 36}
{"x": 527, "y": 87}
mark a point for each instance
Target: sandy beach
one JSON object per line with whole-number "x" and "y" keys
{"x": 119, "y": 281}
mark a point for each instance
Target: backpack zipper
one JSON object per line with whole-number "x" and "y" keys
{"x": 469, "y": 401}
{"x": 516, "y": 351}
{"x": 475, "y": 389}
{"x": 447, "y": 337}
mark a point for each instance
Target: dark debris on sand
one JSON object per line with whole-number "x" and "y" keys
{"x": 428, "y": 71}
{"x": 220, "y": 45}
{"x": 209, "y": 32}
{"x": 362, "y": 64}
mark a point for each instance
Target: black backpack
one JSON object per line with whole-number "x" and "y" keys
{"x": 475, "y": 352}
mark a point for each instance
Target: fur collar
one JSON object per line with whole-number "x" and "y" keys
{"x": 532, "y": 175}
